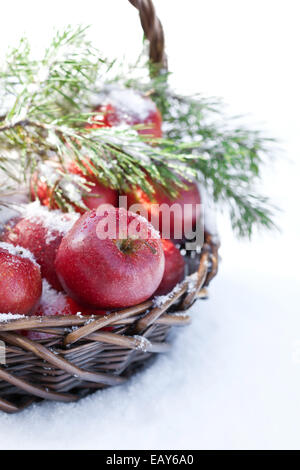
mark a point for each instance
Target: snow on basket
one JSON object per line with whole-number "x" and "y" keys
{"x": 67, "y": 354}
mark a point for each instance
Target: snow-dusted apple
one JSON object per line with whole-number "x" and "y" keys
{"x": 110, "y": 259}
{"x": 41, "y": 231}
{"x": 128, "y": 106}
{"x": 174, "y": 268}
{"x": 54, "y": 303}
{"x": 173, "y": 218}
{"x": 20, "y": 280}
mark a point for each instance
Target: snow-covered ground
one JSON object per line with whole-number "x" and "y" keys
{"x": 232, "y": 379}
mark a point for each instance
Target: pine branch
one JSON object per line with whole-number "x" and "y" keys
{"x": 46, "y": 105}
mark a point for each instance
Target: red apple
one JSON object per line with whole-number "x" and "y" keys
{"x": 20, "y": 280}
{"x": 110, "y": 259}
{"x": 41, "y": 232}
{"x": 127, "y": 106}
{"x": 52, "y": 303}
{"x": 174, "y": 268}
{"x": 172, "y": 224}
{"x": 55, "y": 303}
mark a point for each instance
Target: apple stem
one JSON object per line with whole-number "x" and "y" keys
{"x": 127, "y": 245}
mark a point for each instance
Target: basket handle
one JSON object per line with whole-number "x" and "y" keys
{"x": 154, "y": 32}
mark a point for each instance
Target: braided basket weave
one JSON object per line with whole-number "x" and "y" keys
{"x": 80, "y": 357}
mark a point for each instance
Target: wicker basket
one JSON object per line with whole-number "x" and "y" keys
{"x": 80, "y": 357}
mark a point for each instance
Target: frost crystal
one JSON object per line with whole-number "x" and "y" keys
{"x": 160, "y": 300}
{"x": 18, "y": 251}
{"x": 142, "y": 344}
{"x": 5, "y": 317}
{"x": 55, "y": 221}
{"x": 129, "y": 102}
{"x": 52, "y": 302}
{"x": 192, "y": 281}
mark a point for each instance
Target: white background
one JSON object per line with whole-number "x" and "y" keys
{"x": 233, "y": 378}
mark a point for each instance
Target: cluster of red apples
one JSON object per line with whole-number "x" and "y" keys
{"x": 63, "y": 253}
